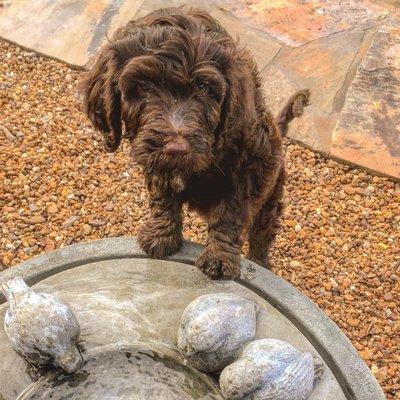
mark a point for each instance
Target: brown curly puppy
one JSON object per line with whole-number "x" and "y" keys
{"x": 191, "y": 104}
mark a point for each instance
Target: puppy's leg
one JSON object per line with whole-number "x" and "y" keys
{"x": 161, "y": 234}
{"x": 294, "y": 108}
{"x": 266, "y": 225}
{"x": 221, "y": 256}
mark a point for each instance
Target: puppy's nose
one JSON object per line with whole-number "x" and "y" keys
{"x": 176, "y": 146}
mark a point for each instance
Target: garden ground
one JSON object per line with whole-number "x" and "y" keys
{"x": 339, "y": 243}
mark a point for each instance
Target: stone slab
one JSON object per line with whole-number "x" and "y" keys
{"x": 297, "y": 22}
{"x": 314, "y": 128}
{"x": 69, "y": 30}
{"x": 263, "y": 47}
{"x": 298, "y": 314}
{"x": 322, "y": 65}
{"x": 392, "y": 5}
{"x": 72, "y": 31}
{"x": 368, "y": 131}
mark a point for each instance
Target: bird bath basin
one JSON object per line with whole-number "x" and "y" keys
{"x": 129, "y": 308}
{"x": 130, "y": 372}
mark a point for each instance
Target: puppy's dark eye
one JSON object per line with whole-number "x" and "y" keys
{"x": 201, "y": 84}
{"x": 144, "y": 86}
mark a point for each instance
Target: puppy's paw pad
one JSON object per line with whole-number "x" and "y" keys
{"x": 158, "y": 245}
{"x": 218, "y": 267}
{"x": 210, "y": 266}
{"x": 162, "y": 247}
{"x": 230, "y": 271}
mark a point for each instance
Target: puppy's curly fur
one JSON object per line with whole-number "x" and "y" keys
{"x": 189, "y": 100}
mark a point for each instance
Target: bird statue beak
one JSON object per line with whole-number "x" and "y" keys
{"x": 71, "y": 362}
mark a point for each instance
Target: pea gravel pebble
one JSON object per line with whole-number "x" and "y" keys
{"x": 340, "y": 242}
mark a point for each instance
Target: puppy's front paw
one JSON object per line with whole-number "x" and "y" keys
{"x": 219, "y": 266}
{"x": 158, "y": 243}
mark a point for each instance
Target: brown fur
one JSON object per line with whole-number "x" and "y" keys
{"x": 191, "y": 104}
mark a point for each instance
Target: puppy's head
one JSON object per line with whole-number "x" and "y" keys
{"x": 172, "y": 100}
{"x": 170, "y": 84}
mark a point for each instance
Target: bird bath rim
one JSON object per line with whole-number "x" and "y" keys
{"x": 349, "y": 369}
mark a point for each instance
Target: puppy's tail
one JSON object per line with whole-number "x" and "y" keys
{"x": 293, "y": 109}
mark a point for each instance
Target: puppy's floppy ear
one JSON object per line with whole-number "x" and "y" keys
{"x": 239, "y": 106}
{"x": 102, "y": 98}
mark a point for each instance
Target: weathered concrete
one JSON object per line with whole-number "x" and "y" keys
{"x": 290, "y": 375}
{"x": 129, "y": 371}
{"x": 118, "y": 294}
{"x": 143, "y": 300}
{"x": 225, "y": 321}
{"x": 53, "y": 330}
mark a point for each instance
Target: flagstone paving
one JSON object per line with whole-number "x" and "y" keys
{"x": 296, "y": 22}
{"x": 346, "y": 51}
{"x": 369, "y": 128}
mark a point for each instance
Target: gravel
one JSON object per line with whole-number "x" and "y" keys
{"x": 340, "y": 242}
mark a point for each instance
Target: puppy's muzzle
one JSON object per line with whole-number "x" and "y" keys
{"x": 176, "y": 147}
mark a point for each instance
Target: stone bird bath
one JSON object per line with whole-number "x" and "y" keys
{"x": 129, "y": 308}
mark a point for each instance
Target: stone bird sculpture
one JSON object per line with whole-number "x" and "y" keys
{"x": 270, "y": 369}
{"x": 214, "y": 328}
{"x": 41, "y": 328}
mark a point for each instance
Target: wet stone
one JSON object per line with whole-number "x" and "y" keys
{"x": 128, "y": 372}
